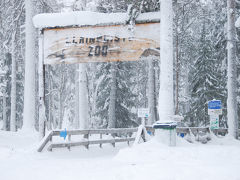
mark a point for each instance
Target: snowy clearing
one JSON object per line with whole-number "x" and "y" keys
{"x": 219, "y": 159}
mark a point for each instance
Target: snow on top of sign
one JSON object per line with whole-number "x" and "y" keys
{"x": 87, "y": 18}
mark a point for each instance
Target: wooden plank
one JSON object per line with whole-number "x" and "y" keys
{"x": 97, "y": 131}
{"x": 67, "y": 144}
{"x": 124, "y": 139}
{"x": 110, "y": 141}
{"x": 113, "y": 131}
{"x": 71, "y": 132}
{"x": 45, "y": 140}
{"x": 99, "y": 44}
{"x": 86, "y": 143}
{"x": 222, "y": 131}
{"x": 203, "y": 129}
{"x": 183, "y": 130}
{"x": 103, "y": 141}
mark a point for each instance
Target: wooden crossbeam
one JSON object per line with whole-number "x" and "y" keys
{"x": 88, "y": 142}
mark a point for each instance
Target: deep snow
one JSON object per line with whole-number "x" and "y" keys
{"x": 219, "y": 159}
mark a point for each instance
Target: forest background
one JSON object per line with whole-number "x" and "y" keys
{"x": 200, "y": 68}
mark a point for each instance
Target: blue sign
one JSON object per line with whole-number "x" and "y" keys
{"x": 182, "y": 135}
{"x": 63, "y": 134}
{"x": 215, "y": 104}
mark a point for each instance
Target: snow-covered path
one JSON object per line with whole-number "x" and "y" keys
{"x": 220, "y": 159}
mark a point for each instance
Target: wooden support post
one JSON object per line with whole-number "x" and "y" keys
{"x": 128, "y": 135}
{"x": 101, "y": 139}
{"x": 143, "y": 136}
{"x": 87, "y": 146}
{"x": 113, "y": 135}
{"x": 69, "y": 137}
{"x": 86, "y": 136}
{"x": 69, "y": 140}
{"x": 41, "y": 74}
{"x": 188, "y": 132}
{"x": 197, "y": 135}
{"x": 114, "y": 145}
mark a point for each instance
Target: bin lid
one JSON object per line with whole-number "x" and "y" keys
{"x": 165, "y": 125}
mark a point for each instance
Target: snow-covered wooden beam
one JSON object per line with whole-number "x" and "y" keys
{"x": 87, "y": 18}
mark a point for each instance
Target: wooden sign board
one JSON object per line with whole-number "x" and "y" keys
{"x": 99, "y": 43}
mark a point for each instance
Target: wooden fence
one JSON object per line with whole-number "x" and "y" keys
{"x": 196, "y": 130}
{"x": 116, "y": 135}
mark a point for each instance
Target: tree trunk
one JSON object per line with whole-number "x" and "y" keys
{"x": 50, "y": 105}
{"x": 29, "y": 86}
{"x": 166, "y": 105}
{"x": 112, "y": 101}
{"x": 151, "y": 92}
{"x": 177, "y": 75}
{"x": 41, "y": 71}
{"x": 13, "y": 86}
{"x": 4, "y": 112}
{"x": 231, "y": 73}
{"x": 61, "y": 110}
{"x": 76, "y": 119}
{"x": 83, "y": 97}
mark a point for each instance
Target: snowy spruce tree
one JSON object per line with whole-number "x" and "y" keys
{"x": 185, "y": 20}
{"x": 189, "y": 48}
{"x": 205, "y": 81}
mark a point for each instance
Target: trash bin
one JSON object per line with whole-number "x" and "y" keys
{"x": 165, "y": 132}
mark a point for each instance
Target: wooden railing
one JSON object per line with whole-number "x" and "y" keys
{"x": 196, "y": 130}
{"x": 117, "y": 135}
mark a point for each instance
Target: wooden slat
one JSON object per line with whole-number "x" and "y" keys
{"x": 183, "y": 130}
{"x": 45, "y": 140}
{"x": 112, "y": 131}
{"x": 86, "y": 143}
{"x": 97, "y": 131}
{"x": 110, "y": 141}
{"x": 71, "y": 132}
{"x": 67, "y": 144}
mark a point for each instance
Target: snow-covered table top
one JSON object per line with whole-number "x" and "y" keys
{"x": 87, "y": 18}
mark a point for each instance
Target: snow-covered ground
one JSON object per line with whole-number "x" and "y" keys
{"x": 219, "y": 159}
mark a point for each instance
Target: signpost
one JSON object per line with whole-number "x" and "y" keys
{"x": 143, "y": 113}
{"x": 214, "y": 121}
{"x": 214, "y": 110}
{"x": 99, "y": 43}
{"x": 105, "y": 38}
{"x": 63, "y": 134}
